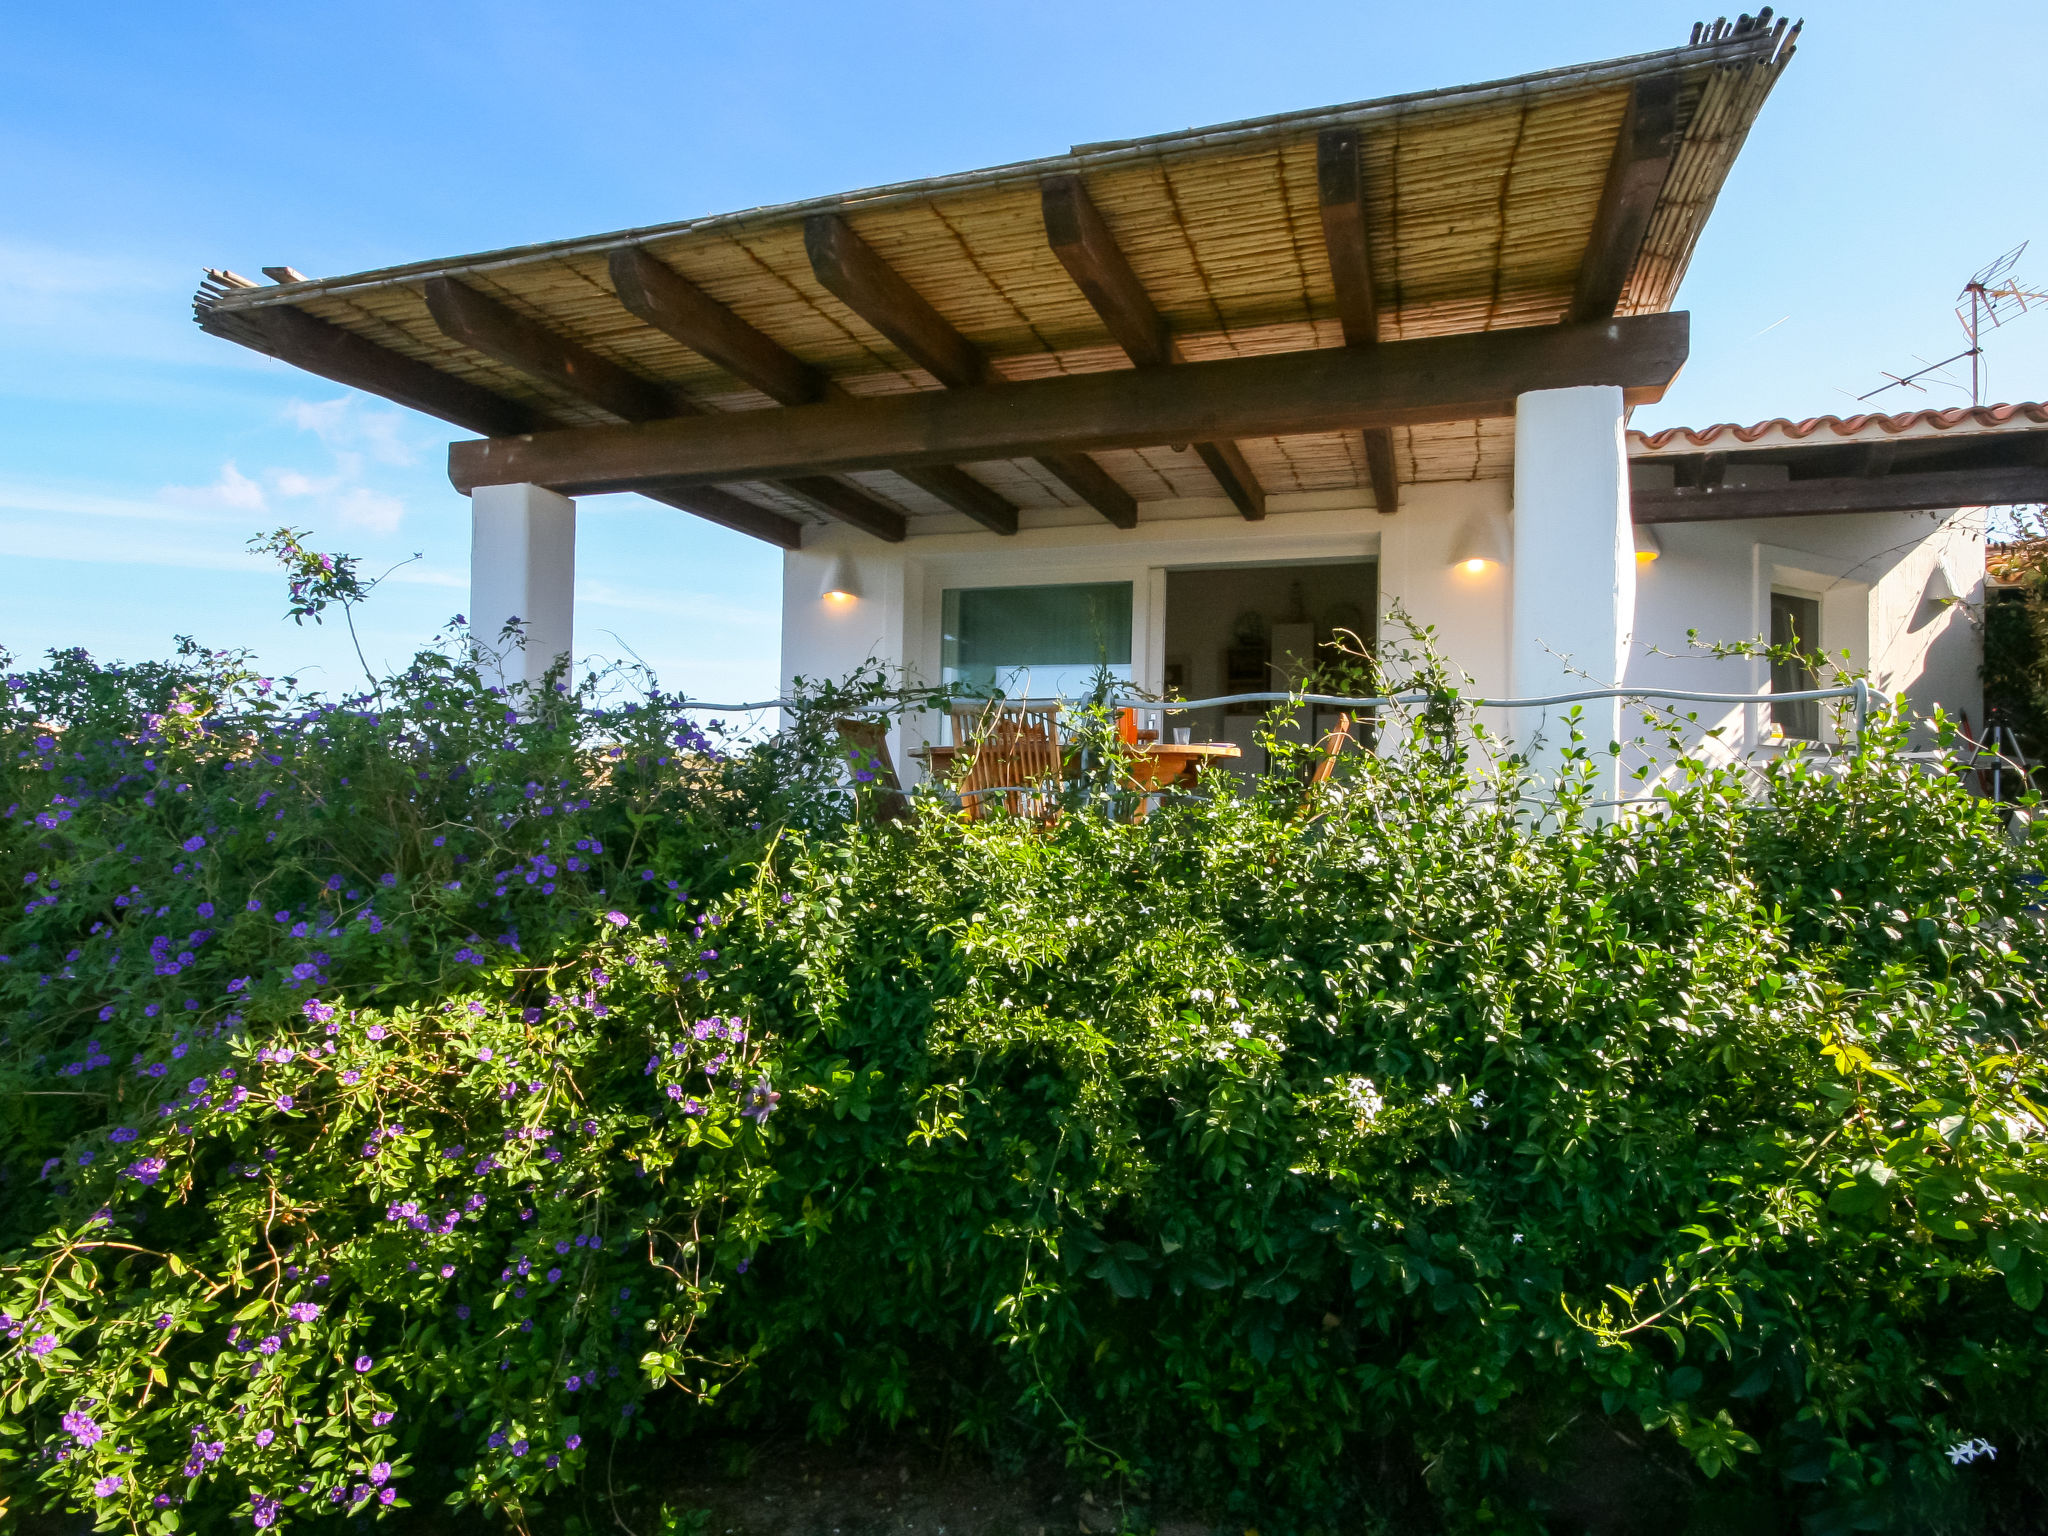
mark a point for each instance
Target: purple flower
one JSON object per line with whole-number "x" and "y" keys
{"x": 264, "y": 1437}
{"x": 316, "y": 1010}
{"x": 760, "y": 1102}
{"x": 363, "y": 1364}
{"x": 382, "y": 1417}
{"x": 107, "y": 1486}
{"x": 120, "y": 1134}
{"x": 305, "y": 1311}
{"x": 616, "y": 919}
{"x": 380, "y": 1474}
{"x": 80, "y": 1427}
{"x": 270, "y": 1345}
{"x": 194, "y": 843}
{"x": 519, "y": 1447}
{"x": 284, "y": 1101}
{"x": 145, "y": 1171}
{"x": 573, "y": 1441}
{"x": 376, "y": 1031}
{"x": 495, "y": 1441}
{"x": 351, "y": 1077}
{"x": 262, "y": 1508}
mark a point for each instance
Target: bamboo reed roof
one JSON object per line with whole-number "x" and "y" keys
{"x": 1481, "y": 202}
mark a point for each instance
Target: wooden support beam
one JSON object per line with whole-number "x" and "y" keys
{"x": 318, "y": 346}
{"x": 1635, "y": 177}
{"x": 1931, "y": 490}
{"x": 1094, "y": 485}
{"x": 1340, "y": 198}
{"x": 1081, "y": 238}
{"x": 716, "y": 505}
{"x": 308, "y": 342}
{"x": 482, "y": 324}
{"x": 1381, "y": 470}
{"x": 1397, "y": 383}
{"x": 673, "y": 304}
{"x": 852, "y": 272}
{"x": 850, "y": 504}
{"x": 963, "y": 493}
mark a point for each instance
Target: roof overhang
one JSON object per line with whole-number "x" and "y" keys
{"x": 1917, "y": 461}
{"x": 1274, "y": 298}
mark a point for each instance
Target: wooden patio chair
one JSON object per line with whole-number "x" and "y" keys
{"x": 1332, "y": 745}
{"x": 874, "y": 773}
{"x": 1012, "y": 748}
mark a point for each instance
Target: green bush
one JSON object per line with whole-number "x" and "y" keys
{"x": 1376, "y": 1158}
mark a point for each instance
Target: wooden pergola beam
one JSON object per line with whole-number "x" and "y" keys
{"x": 1921, "y": 491}
{"x": 1397, "y": 383}
{"x": 716, "y": 505}
{"x": 674, "y": 305}
{"x": 849, "y": 269}
{"x": 485, "y": 325}
{"x": 1081, "y": 239}
{"x": 1340, "y": 199}
{"x": 319, "y": 346}
{"x": 1635, "y": 177}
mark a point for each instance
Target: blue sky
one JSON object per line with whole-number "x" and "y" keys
{"x": 141, "y": 142}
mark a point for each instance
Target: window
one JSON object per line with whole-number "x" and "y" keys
{"x": 1037, "y": 642}
{"x": 1796, "y": 621}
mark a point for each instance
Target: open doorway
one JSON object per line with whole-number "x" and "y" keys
{"x": 1259, "y": 629}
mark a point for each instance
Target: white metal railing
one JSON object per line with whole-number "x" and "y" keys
{"x": 1860, "y": 691}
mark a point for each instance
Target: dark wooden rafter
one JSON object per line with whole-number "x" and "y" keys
{"x": 1643, "y": 153}
{"x": 672, "y": 304}
{"x": 486, "y": 325}
{"x": 1340, "y": 198}
{"x": 717, "y": 505}
{"x": 849, "y": 268}
{"x": 1925, "y": 490}
{"x": 319, "y": 346}
{"x": 1082, "y": 241}
{"x": 1397, "y": 383}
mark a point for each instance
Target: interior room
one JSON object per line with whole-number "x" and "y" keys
{"x": 1260, "y": 629}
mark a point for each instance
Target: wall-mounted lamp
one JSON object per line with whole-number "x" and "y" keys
{"x": 1479, "y": 545}
{"x": 1648, "y": 545}
{"x": 842, "y": 585}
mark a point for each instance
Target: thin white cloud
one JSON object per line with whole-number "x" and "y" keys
{"x": 361, "y": 507}
{"x": 684, "y": 605}
{"x": 42, "y": 540}
{"x": 57, "y": 502}
{"x": 351, "y": 425}
{"x": 233, "y": 491}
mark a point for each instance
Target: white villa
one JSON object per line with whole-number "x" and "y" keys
{"x": 1183, "y": 406}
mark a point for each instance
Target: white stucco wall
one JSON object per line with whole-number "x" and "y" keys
{"x": 1869, "y": 571}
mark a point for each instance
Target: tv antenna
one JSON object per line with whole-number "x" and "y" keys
{"x": 1989, "y": 299}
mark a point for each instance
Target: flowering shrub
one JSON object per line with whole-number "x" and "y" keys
{"x": 424, "y": 1100}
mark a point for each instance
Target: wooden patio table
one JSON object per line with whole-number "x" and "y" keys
{"x": 1154, "y": 765}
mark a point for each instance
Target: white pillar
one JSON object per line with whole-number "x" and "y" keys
{"x": 1574, "y": 570}
{"x": 522, "y": 565}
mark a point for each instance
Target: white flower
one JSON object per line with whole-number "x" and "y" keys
{"x": 1364, "y": 1099}
{"x": 1479, "y": 1100}
{"x": 1241, "y": 1029}
{"x": 1970, "y": 1450}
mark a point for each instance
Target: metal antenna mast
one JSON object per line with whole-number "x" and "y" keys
{"x": 1989, "y": 299}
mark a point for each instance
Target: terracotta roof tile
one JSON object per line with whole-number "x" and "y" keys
{"x": 1872, "y": 427}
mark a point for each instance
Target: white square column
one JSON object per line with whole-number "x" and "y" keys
{"x": 1573, "y": 576}
{"x": 522, "y": 565}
